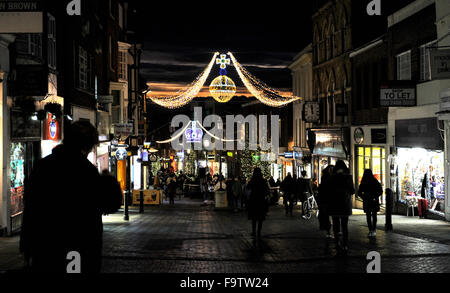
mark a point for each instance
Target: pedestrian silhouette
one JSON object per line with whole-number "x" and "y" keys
{"x": 288, "y": 187}
{"x": 340, "y": 204}
{"x": 257, "y": 204}
{"x": 370, "y": 191}
{"x": 64, "y": 203}
{"x": 325, "y": 191}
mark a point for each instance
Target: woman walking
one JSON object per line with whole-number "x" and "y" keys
{"x": 324, "y": 192}
{"x": 370, "y": 191}
{"x": 340, "y": 204}
{"x": 257, "y": 202}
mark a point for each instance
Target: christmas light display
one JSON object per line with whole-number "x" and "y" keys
{"x": 223, "y": 88}
{"x": 184, "y": 97}
{"x": 261, "y": 91}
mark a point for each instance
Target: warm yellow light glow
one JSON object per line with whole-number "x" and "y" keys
{"x": 222, "y": 89}
{"x": 261, "y": 91}
{"x": 184, "y": 97}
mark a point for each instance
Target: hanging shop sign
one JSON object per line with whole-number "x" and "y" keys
{"x": 52, "y": 128}
{"x": 421, "y": 133}
{"x": 153, "y": 158}
{"x": 358, "y": 135}
{"x": 398, "y": 96}
{"x": 440, "y": 64}
{"x": 289, "y": 155}
{"x": 379, "y": 135}
{"x": 123, "y": 129}
{"x": 121, "y": 154}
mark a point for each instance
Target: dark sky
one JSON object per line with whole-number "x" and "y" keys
{"x": 180, "y": 39}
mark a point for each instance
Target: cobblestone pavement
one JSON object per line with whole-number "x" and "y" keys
{"x": 189, "y": 238}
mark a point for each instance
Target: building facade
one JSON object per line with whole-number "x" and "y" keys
{"x": 302, "y": 82}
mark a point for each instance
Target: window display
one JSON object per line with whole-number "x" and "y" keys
{"x": 421, "y": 174}
{"x": 17, "y": 177}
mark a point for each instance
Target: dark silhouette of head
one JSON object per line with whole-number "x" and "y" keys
{"x": 304, "y": 173}
{"x": 341, "y": 167}
{"x": 367, "y": 176}
{"x": 81, "y": 136}
{"x": 257, "y": 173}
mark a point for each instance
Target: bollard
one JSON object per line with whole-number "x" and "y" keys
{"x": 141, "y": 201}
{"x": 389, "y": 208}
{"x": 126, "y": 217}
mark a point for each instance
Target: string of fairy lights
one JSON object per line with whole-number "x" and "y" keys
{"x": 223, "y": 89}
{"x": 184, "y": 97}
{"x": 260, "y": 90}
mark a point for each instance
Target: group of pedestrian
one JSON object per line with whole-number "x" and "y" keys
{"x": 334, "y": 200}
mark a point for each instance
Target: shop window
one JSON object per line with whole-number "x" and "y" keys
{"x": 421, "y": 174}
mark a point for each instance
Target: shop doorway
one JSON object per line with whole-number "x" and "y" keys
{"x": 373, "y": 158}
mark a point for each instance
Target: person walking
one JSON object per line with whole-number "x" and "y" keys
{"x": 257, "y": 204}
{"x": 370, "y": 191}
{"x": 324, "y": 193}
{"x": 304, "y": 189}
{"x": 340, "y": 204}
{"x": 171, "y": 188}
{"x": 66, "y": 190}
{"x": 237, "y": 193}
{"x": 288, "y": 187}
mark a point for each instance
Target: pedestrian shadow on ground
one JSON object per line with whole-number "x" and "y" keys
{"x": 257, "y": 249}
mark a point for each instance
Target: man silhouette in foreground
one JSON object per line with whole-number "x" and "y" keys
{"x": 64, "y": 202}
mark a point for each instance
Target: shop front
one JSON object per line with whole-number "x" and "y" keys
{"x": 369, "y": 146}
{"x": 329, "y": 146}
{"x": 24, "y": 151}
{"x": 419, "y": 164}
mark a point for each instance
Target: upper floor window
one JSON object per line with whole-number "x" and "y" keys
{"x": 404, "y": 66}
{"x": 29, "y": 44}
{"x": 51, "y": 42}
{"x": 123, "y": 61}
{"x": 83, "y": 68}
{"x": 425, "y": 66}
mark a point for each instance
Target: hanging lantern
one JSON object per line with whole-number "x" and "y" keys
{"x": 222, "y": 89}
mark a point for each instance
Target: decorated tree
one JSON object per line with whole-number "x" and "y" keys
{"x": 251, "y": 160}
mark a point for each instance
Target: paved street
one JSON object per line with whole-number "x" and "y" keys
{"x": 189, "y": 238}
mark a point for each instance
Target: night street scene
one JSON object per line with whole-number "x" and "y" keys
{"x": 222, "y": 146}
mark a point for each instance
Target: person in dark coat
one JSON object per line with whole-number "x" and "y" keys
{"x": 370, "y": 191}
{"x": 324, "y": 192}
{"x": 257, "y": 204}
{"x": 340, "y": 204}
{"x": 64, "y": 202}
{"x": 288, "y": 187}
{"x": 172, "y": 188}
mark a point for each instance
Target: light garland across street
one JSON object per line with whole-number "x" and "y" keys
{"x": 184, "y": 97}
{"x": 257, "y": 88}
